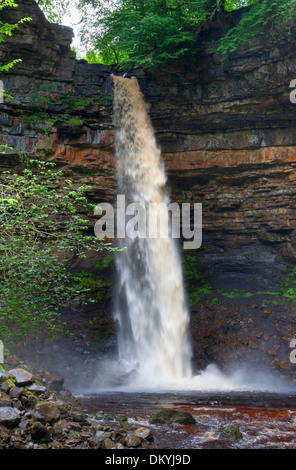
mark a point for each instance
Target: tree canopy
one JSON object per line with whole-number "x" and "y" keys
{"x": 54, "y": 9}
{"x": 149, "y": 33}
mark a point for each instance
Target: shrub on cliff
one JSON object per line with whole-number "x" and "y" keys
{"x": 6, "y": 29}
{"x": 42, "y": 218}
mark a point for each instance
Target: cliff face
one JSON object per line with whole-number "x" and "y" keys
{"x": 227, "y": 133}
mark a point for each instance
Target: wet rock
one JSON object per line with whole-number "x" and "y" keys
{"x": 38, "y": 389}
{"x": 33, "y": 415}
{"x": 49, "y": 413}
{"x": 168, "y": 416}
{"x": 56, "y": 384}
{"x": 16, "y": 404}
{"x": 16, "y": 392}
{"x": 144, "y": 434}
{"x": 96, "y": 441}
{"x": 9, "y": 417}
{"x": 5, "y": 386}
{"x": 133, "y": 441}
{"x": 109, "y": 444}
{"x": 31, "y": 401}
{"x": 57, "y": 445}
{"x": 5, "y": 402}
{"x": 3, "y": 376}
{"x": 22, "y": 377}
{"x": 40, "y": 432}
{"x": 107, "y": 418}
{"x": 59, "y": 430}
{"x": 80, "y": 418}
{"x": 231, "y": 432}
{"x": 4, "y": 434}
{"x": 121, "y": 418}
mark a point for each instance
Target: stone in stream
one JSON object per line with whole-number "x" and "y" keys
{"x": 132, "y": 441}
{"x": 231, "y": 432}
{"x": 167, "y": 416}
{"x": 144, "y": 434}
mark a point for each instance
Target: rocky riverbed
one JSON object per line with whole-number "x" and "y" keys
{"x": 35, "y": 413}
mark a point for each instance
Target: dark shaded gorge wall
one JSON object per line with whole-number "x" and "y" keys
{"x": 227, "y": 133}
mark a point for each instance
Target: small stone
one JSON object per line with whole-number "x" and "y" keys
{"x": 3, "y": 376}
{"x": 39, "y": 431}
{"x": 15, "y": 392}
{"x": 80, "y": 418}
{"x": 132, "y": 441}
{"x": 5, "y": 402}
{"x": 168, "y": 416}
{"x": 231, "y": 432}
{"x": 57, "y": 445}
{"x": 121, "y": 418}
{"x": 96, "y": 441}
{"x": 50, "y": 413}
{"x": 144, "y": 434}
{"x": 109, "y": 444}
{"x": 5, "y": 434}
{"x": 36, "y": 388}
{"x": 119, "y": 445}
{"x": 16, "y": 403}
{"x": 56, "y": 384}
{"x": 9, "y": 417}
{"x": 5, "y": 386}
{"x": 31, "y": 401}
{"x": 22, "y": 377}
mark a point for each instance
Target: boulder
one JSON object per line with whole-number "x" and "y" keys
{"x": 15, "y": 392}
{"x": 3, "y": 376}
{"x": 231, "y": 432}
{"x": 9, "y": 417}
{"x": 5, "y": 402}
{"x": 22, "y": 377}
{"x": 132, "y": 441}
{"x": 56, "y": 384}
{"x": 167, "y": 416}
{"x": 144, "y": 434}
{"x": 36, "y": 388}
{"x": 39, "y": 431}
{"x": 49, "y": 413}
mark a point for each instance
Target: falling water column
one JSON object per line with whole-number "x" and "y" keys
{"x": 151, "y": 307}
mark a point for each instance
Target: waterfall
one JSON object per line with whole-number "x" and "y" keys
{"x": 151, "y": 308}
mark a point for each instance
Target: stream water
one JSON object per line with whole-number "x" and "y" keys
{"x": 267, "y": 420}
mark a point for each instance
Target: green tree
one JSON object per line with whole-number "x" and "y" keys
{"x": 7, "y": 29}
{"x": 42, "y": 219}
{"x": 149, "y": 33}
{"x": 54, "y": 10}
{"x": 274, "y": 18}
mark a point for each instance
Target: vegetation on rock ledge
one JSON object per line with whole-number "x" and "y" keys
{"x": 148, "y": 34}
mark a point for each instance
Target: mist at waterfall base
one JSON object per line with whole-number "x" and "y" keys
{"x": 154, "y": 349}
